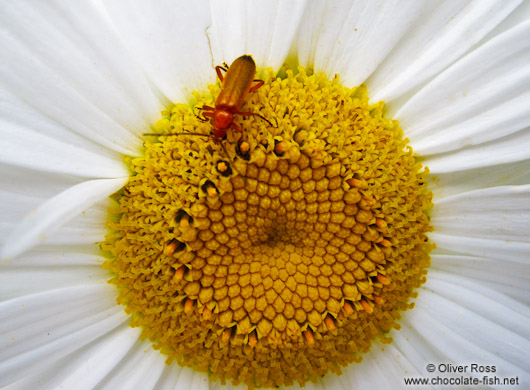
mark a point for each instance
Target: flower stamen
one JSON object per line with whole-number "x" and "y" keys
{"x": 179, "y": 274}
{"x": 309, "y": 337}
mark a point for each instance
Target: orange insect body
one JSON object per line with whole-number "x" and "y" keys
{"x": 236, "y": 85}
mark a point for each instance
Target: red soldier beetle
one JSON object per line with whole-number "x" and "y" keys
{"x": 236, "y": 84}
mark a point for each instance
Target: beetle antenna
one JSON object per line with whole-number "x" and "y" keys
{"x": 258, "y": 115}
{"x": 168, "y": 134}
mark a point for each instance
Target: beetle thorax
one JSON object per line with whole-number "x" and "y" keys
{"x": 222, "y": 120}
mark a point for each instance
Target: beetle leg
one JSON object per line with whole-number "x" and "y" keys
{"x": 218, "y": 70}
{"x": 206, "y": 114}
{"x": 236, "y": 127}
{"x": 257, "y": 86}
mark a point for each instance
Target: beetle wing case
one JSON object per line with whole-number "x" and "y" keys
{"x": 237, "y": 83}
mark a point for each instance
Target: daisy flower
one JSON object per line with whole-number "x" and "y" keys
{"x": 83, "y": 83}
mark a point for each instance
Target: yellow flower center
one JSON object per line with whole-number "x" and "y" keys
{"x": 283, "y": 251}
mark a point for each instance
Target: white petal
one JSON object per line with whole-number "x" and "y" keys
{"x": 25, "y": 148}
{"x": 141, "y": 368}
{"x": 443, "y": 32}
{"x": 30, "y": 138}
{"x": 17, "y": 181}
{"x": 49, "y": 217}
{"x": 481, "y": 98}
{"x": 446, "y": 184}
{"x": 383, "y": 367}
{"x": 484, "y": 247}
{"x": 169, "y": 41}
{"x": 86, "y": 228}
{"x": 175, "y": 377}
{"x": 502, "y": 119}
{"x": 498, "y": 274}
{"x": 67, "y": 62}
{"x": 496, "y": 307}
{"x": 23, "y": 190}
{"x": 264, "y": 29}
{"x": 17, "y": 281}
{"x": 53, "y": 257}
{"x": 48, "y": 326}
{"x": 519, "y": 15}
{"x": 461, "y": 336}
{"x": 13, "y": 208}
{"x": 199, "y": 381}
{"x": 410, "y": 344}
{"x": 84, "y": 368}
{"x": 501, "y": 213}
{"x": 352, "y": 38}
{"x": 497, "y": 152}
